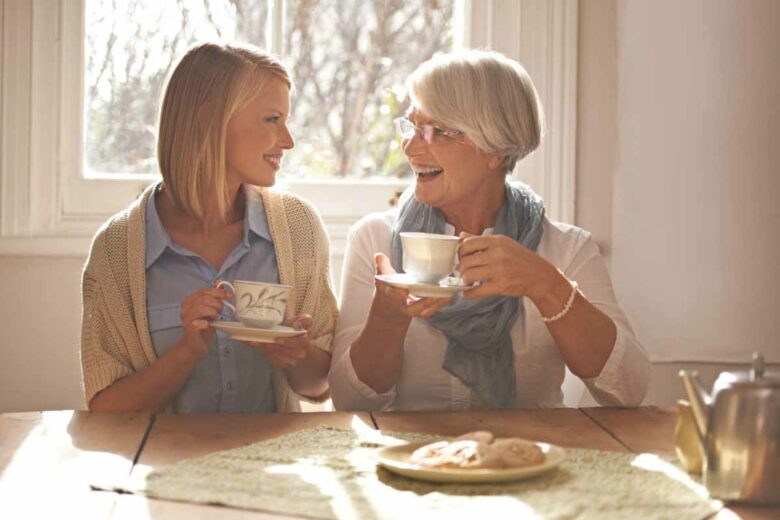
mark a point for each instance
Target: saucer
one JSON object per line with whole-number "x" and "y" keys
{"x": 239, "y": 331}
{"x": 446, "y": 287}
{"x": 396, "y": 459}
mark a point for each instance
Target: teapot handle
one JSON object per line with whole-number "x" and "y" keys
{"x": 757, "y": 372}
{"x": 699, "y": 399}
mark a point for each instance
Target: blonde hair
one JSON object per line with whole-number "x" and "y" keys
{"x": 484, "y": 94}
{"x": 208, "y": 86}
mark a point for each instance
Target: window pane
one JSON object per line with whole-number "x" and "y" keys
{"x": 131, "y": 47}
{"x": 348, "y": 60}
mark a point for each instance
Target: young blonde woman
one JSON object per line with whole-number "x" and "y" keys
{"x": 148, "y": 285}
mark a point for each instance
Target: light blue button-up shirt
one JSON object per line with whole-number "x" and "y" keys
{"x": 233, "y": 377}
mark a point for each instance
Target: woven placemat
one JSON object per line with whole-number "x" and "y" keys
{"x": 332, "y": 473}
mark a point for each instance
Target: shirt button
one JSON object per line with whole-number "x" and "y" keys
{"x": 229, "y": 386}
{"x": 227, "y": 352}
{"x": 221, "y": 318}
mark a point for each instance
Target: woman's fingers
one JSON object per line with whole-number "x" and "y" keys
{"x": 476, "y": 274}
{"x": 205, "y": 311}
{"x": 300, "y": 322}
{"x": 426, "y": 307}
{"x": 209, "y": 292}
{"x": 388, "y": 291}
{"x": 473, "y": 244}
{"x": 216, "y": 303}
{"x": 383, "y": 265}
{"x": 485, "y": 289}
{"x": 281, "y": 356}
{"x": 199, "y": 301}
{"x": 477, "y": 259}
{"x": 434, "y": 307}
{"x": 200, "y": 324}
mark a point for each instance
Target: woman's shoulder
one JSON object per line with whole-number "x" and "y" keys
{"x": 111, "y": 238}
{"x": 561, "y": 242}
{"x": 376, "y": 225}
{"x": 563, "y": 232}
{"x": 290, "y": 201}
{"x": 297, "y": 210}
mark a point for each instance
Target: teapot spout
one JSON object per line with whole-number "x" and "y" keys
{"x": 700, "y": 401}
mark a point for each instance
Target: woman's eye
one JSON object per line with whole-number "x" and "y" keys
{"x": 272, "y": 119}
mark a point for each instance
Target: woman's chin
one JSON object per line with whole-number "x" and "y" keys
{"x": 264, "y": 180}
{"x": 426, "y": 194}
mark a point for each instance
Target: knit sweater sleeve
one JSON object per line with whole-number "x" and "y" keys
{"x": 325, "y": 312}
{"x": 101, "y": 365}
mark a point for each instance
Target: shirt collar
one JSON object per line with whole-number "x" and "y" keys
{"x": 255, "y": 219}
{"x": 158, "y": 239}
{"x": 449, "y": 229}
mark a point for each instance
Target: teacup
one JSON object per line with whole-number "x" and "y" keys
{"x": 258, "y": 304}
{"x": 429, "y": 257}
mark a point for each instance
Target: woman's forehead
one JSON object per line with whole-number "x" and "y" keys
{"x": 418, "y": 115}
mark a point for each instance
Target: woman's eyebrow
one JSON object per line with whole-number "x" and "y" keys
{"x": 414, "y": 117}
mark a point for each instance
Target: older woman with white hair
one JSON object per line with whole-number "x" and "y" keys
{"x": 541, "y": 297}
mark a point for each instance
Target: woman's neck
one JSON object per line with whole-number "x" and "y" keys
{"x": 212, "y": 223}
{"x": 479, "y": 211}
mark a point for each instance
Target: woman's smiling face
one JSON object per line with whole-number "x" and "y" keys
{"x": 449, "y": 170}
{"x": 257, "y": 137}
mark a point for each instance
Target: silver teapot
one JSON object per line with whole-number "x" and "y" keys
{"x": 739, "y": 430}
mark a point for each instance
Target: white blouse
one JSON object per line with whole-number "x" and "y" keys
{"x": 539, "y": 367}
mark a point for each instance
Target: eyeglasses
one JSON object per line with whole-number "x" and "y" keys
{"x": 407, "y": 130}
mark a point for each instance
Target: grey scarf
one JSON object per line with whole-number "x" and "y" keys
{"x": 479, "y": 352}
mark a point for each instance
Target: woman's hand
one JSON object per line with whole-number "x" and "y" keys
{"x": 288, "y": 352}
{"x": 197, "y": 309}
{"x": 504, "y": 267}
{"x": 396, "y": 304}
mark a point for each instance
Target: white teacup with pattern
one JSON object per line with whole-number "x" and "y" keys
{"x": 258, "y": 304}
{"x": 429, "y": 257}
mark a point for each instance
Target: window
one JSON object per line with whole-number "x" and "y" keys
{"x": 57, "y": 188}
{"x": 348, "y": 60}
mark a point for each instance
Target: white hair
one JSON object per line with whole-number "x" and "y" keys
{"x": 484, "y": 94}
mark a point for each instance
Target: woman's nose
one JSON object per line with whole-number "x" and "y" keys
{"x": 413, "y": 145}
{"x": 287, "y": 142}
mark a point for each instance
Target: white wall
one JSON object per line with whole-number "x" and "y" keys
{"x": 678, "y": 169}
{"x": 695, "y": 240}
{"x": 39, "y": 332}
{"x": 596, "y": 118}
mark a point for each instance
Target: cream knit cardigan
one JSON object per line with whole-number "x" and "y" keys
{"x": 115, "y": 340}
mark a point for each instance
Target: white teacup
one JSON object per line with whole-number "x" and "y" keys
{"x": 429, "y": 257}
{"x": 258, "y": 304}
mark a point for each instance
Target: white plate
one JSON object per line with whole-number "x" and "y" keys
{"x": 446, "y": 287}
{"x": 237, "y": 330}
{"x": 396, "y": 459}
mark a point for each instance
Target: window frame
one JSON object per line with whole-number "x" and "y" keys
{"x": 48, "y": 208}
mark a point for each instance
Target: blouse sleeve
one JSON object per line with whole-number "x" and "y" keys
{"x": 625, "y": 377}
{"x": 357, "y": 291}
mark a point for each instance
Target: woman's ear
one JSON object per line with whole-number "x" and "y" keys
{"x": 495, "y": 161}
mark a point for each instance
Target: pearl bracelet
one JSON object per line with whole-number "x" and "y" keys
{"x": 565, "y": 307}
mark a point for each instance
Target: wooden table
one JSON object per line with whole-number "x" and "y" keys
{"x": 47, "y": 460}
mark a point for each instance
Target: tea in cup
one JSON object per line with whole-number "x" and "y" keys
{"x": 258, "y": 304}
{"x": 429, "y": 257}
